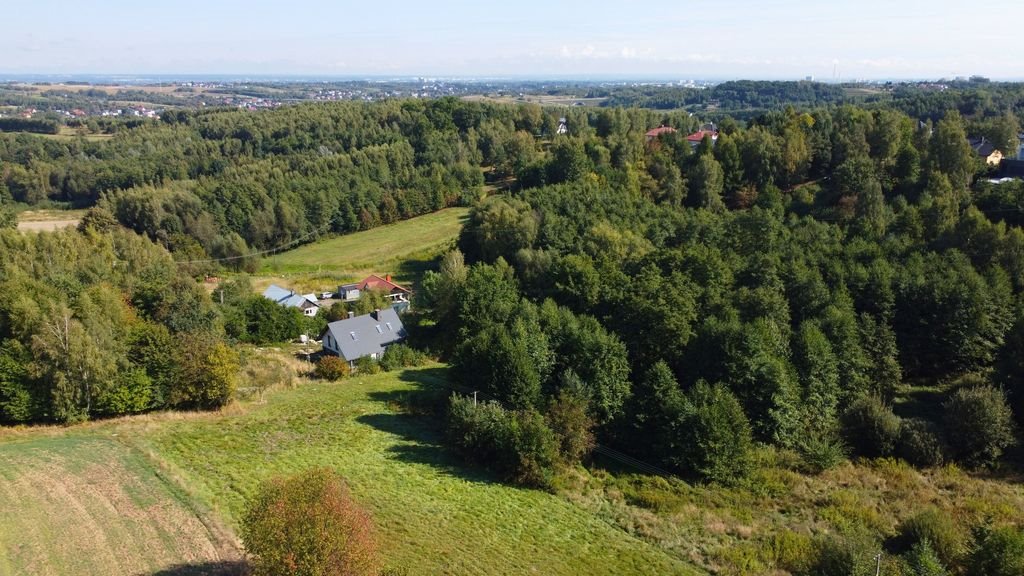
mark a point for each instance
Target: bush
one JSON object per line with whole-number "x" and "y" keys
{"x": 923, "y": 561}
{"x": 401, "y": 356}
{"x": 851, "y": 555}
{"x": 367, "y": 365}
{"x": 535, "y": 448}
{"x": 978, "y": 425}
{"x": 822, "y": 452}
{"x": 568, "y": 419}
{"x": 309, "y": 524}
{"x": 919, "y": 443}
{"x": 720, "y": 446}
{"x": 870, "y": 427}
{"x": 999, "y": 552}
{"x": 518, "y": 445}
{"x": 939, "y": 530}
{"x": 332, "y": 368}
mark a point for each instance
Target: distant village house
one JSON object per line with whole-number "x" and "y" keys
{"x": 657, "y": 132}
{"x": 396, "y": 293}
{"x": 306, "y": 303}
{"x": 986, "y": 151}
{"x": 706, "y": 131}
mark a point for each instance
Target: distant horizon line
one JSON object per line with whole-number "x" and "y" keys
{"x": 143, "y": 77}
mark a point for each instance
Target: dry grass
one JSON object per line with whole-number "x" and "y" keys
{"x": 84, "y": 504}
{"x": 48, "y": 220}
{"x": 737, "y": 530}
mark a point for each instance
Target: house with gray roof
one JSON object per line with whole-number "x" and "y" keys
{"x": 360, "y": 336}
{"x": 290, "y": 299}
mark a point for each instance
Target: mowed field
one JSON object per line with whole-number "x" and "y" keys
{"x": 88, "y": 504}
{"x": 48, "y": 220}
{"x": 92, "y": 499}
{"x": 401, "y": 249}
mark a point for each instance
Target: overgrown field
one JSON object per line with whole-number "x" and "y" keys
{"x": 402, "y": 249}
{"x": 435, "y": 515}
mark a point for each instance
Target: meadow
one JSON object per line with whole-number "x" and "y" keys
{"x": 129, "y": 486}
{"x": 404, "y": 249}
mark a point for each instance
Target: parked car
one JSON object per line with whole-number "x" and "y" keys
{"x": 326, "y": 295}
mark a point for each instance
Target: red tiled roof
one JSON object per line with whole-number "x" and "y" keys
{"x": 373, "y": 282}
{"x": 700, "y": 134}
{"x": 659, "y": 131}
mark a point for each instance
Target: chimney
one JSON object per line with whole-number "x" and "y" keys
{"x": 351, "y": 314}
{"x": 387, "y": 277}
{"x": 376, "y": 314}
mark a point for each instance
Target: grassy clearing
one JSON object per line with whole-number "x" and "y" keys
{"x": 48, "y": 220}
{"x": 403, "y": 249}
{"x": 434, "y": 515}
{"x": 87, "y": 504}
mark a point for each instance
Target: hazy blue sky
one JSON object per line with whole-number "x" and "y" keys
{"x": 671, "y": 38}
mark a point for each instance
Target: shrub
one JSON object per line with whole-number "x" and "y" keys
{"x": 332, "y": 368}
{"x": 999, "y": 552}
{"x": 266, "y": 321}
{"x": 939, "y": 530}
{"x": 367, "y": 365}
{"x": 309, "y": 524}
{"x": 568, "y": 419}
{"x": 919, "y": 443}
{"x": 720, "y": 447}
{"x": 401, "y": 356}
{"x": 822, "y": 452}
{"x": 480, "y": 431}
{"x": 870, "y": 427}
{"x": 851, "y": 555}
{"x": 518, "y": 445}
{"x": 923, "y": 561}
{"x": 978, "y": 424}
{"x": 535, "y": 448}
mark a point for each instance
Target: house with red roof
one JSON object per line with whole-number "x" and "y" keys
{"x": 697, "y": 137}
{"x": 657, "y": 132}
{"x": 395, "y": 292}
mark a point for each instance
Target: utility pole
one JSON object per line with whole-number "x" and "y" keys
{"x": 878, "y": 564}
{"x": 474, "y": 398}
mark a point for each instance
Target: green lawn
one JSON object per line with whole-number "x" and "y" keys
{"x": 402, "y": 249}
{"x": 435, "y": 515}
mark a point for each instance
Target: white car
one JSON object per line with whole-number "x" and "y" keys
{"x": 326, "y": 295}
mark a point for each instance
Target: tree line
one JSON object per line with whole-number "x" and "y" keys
{"x": 103, "y": 324}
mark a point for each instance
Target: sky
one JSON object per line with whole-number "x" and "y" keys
{"x": 673, "y": 39}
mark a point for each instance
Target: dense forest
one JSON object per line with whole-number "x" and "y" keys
{"x": 223, "y": 183}
{"x": 698, "y": 268}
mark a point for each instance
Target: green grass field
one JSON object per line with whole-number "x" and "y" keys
{"x": 402, "y": 249}
{"x": 435, "y": 516}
